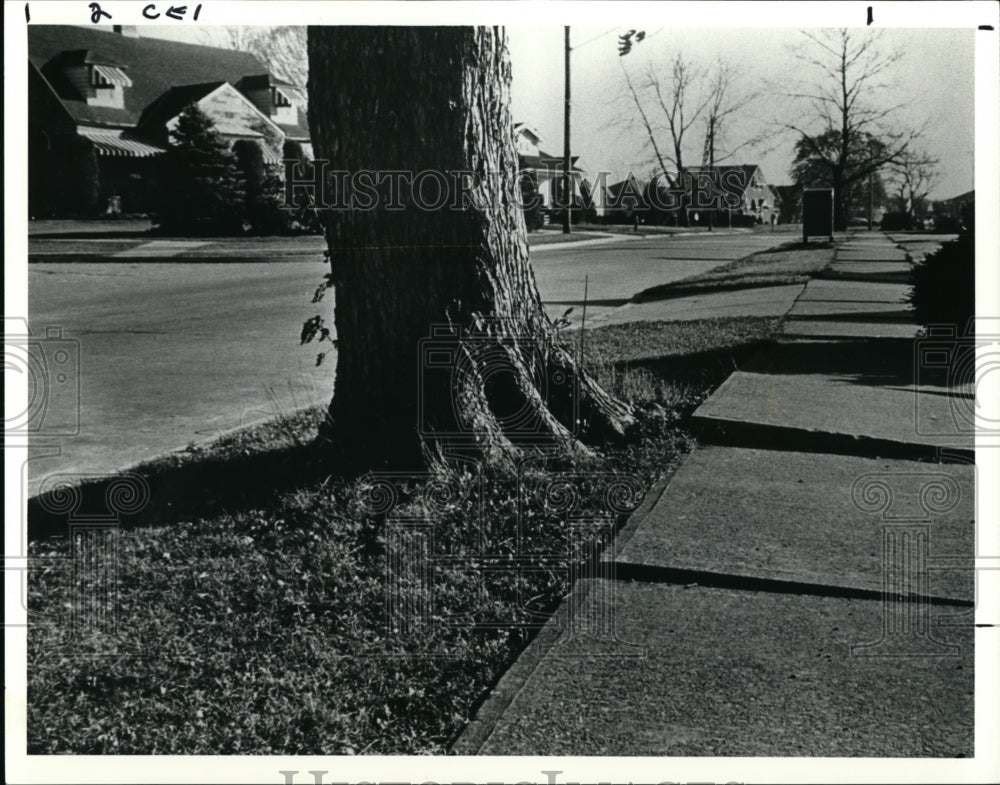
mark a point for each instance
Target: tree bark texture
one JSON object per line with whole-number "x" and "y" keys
{"x": 443, "y": 344}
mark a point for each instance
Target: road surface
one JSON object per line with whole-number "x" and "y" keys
{"x": 181, "y": 352}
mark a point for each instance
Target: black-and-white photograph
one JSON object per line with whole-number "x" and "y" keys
{"x": 520, "y": 384}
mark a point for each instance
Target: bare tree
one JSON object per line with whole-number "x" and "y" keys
{"x": 682, "y": 100}
{"x": 725, "y": 100}
{"x": 846, "y": 103}
{"x": 281, "y": 48}
{"x": 444, "y": 347}
{"x": 912, "y": 176}
{"x": 670, "y": 107}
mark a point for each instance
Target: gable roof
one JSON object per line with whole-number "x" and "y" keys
{"x": 299, "y": 130}
{"x": 527, "y": 130}
{"x": 746, "y": 170}
{"x": 546, "y": 162}
{"x": 615, "y": 189}
{"x": 154, "y": 65}
{"x": 83, "y": 56}
{"x": 173, "y": 102}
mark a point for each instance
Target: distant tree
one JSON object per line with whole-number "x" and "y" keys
{"x": 725, "y": 98}
{"x": 202, "y": 188}
{"x": 846, "y": 111}
{"x": 679, "y": 100}
{"x": 75, "y": 159}
{"x": 304, "y": 217}
{"x": 282, "y": 48}
{"x": 811, "y": 169}
{"x": 911, "y": 177}
{"x": 263, "y": 188}
{"x": 531, "y": 201}
{"x": 587, "y": 203}
{"x": 671, "y": 102}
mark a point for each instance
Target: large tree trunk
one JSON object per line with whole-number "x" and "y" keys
{"x": 443, "y": 345}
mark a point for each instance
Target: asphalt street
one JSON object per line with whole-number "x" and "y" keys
{"x": 177, "y": 353}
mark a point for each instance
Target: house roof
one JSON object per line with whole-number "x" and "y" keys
{"x": 83, "y": 57}
{"x": 747, "y": 171}
{"x": 298, "y": 130}
{"x": 546, "y": 161}
{"x": 968, "y": 196}
{"x": 615, "y": 189}
{"x": 524, "y": 128}
{"x": 154, "y": 65}
{"x": 173, "y": 102}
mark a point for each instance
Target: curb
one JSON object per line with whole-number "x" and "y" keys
{"x": 498, "y": 698}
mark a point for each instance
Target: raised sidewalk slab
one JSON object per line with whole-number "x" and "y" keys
{"x": 760, "y": 301}
{"x": 848, "y": 300}
{"x": 852, "y": 292}
{"x": 805, "y": 328}
{"x": 889, "y": 272}
{"x": 806, "y": 518}
{"x": 834, "y": 414}
{"x": 871, "y": 254}
{"x": 731, "y": 673}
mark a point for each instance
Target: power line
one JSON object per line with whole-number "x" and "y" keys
{"x": 601, "y": 35}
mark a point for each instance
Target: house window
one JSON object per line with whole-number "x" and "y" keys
{"x": 108, "y": 76}
{"x": 99, "y": 80}
{"x": 278, "y": 99}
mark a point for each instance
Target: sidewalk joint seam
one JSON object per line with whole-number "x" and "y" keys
{"x": 644, "y": 573}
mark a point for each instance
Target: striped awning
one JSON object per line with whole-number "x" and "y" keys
{"x": 115, "y": 142}
{"x": 112, "y": 75}
{"x": 270, "y": 157}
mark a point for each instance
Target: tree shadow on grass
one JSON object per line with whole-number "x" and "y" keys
{"x": 192, "y": 489}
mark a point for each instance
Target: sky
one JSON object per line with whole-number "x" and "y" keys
{"x": 933, "y": 80}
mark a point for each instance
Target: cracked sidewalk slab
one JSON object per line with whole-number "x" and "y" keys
{"x": 836, "y": 414}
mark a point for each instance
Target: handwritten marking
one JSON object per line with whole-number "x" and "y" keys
{"x": 871, "y": 17}
{"x": 96, "y": 13}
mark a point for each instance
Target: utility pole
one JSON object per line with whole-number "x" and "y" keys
{"x": 711, "y": 170}
{"x": 567, "y": 176}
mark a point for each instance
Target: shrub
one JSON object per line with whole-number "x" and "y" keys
{"x": 202, "y": 189}
{"x": 741, "y": 221}
{"x": 944, "y": 284}
{"x": 78, "y": 190}
{"x": 894, "y": 222}
{"x": 303, "y": 219}
{"x": 262, "y": 208}
{"x": 531, "y": 202}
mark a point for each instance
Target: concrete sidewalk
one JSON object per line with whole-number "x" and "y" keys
{"x": 803, "y": 587}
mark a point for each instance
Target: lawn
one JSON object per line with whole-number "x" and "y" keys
{"x": 788, "y": 263}
{"x": 257, "y": 611}
{"x": 554, "y": 236}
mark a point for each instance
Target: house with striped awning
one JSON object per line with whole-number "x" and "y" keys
{"x": 102, "y": 105}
